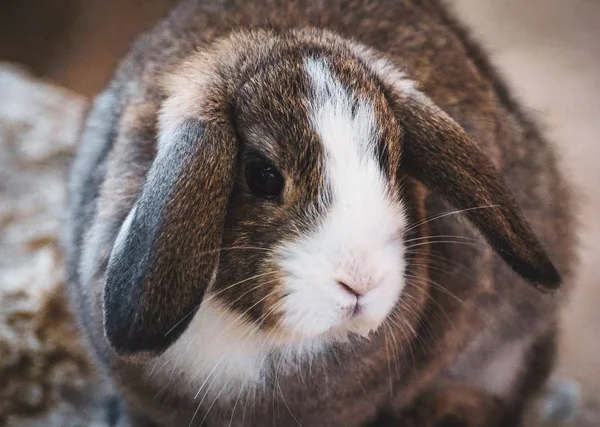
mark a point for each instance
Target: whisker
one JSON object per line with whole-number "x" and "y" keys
{"x": 277, "y": 369}
{"x": 442, "y": 241}
{"x": 245, "y": 408}
{"x": 400, "y": 326}
{"x": 387, "y": 333}
{"x": 284, "y": 402}
{"x": 208, "y": 377}
{"x": 438, "y": 287}
{"x": 432, "y": 283}
{"x": 212, "y": 404}
{"x": 442, "y": 261}
{"x": 440, "y": 268}
{"x": 212, "y": 296}
{"x": 270, "y": 294}
{"x": 426, "y": 322}
{"x": 262, "y": 319}
{"x": 445, "y": 236}
{"x": 235, "y": 406}
{"x": 235, "y": 248}
{"x": 201, "y": 387}
{"x": 203, "y": 397}
{"x": 427, "y": 220}
{"x": 397, "y": 347}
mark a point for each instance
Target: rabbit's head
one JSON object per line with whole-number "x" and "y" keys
{"x": 285, "y": 189}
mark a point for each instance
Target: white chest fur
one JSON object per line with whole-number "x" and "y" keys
{"x": 222, "y": 355}
{"x": 218, "y": 353}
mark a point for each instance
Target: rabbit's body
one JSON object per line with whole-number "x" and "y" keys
{"x": 473, "y": 339}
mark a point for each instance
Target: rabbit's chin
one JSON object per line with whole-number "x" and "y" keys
{"x": 236, "y": 354}
{"x": 356, "y": 328}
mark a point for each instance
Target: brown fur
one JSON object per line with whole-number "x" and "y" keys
{"x": 462, "y": 300}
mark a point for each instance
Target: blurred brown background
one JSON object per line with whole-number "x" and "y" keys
{"x": 548, "y": 49}
{"x": 75, "y": 43}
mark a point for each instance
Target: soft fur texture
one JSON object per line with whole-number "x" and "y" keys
{"x": 357, "y": 296}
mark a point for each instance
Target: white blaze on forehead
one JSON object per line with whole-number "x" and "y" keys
{"x": 347, "y": 129}
{"x": 349, "y": 132}
{"x": 357, "y": 241}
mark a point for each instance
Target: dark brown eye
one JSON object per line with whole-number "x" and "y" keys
{"x": 263, "y": 179}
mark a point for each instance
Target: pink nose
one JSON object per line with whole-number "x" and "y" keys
{"x": 355, "y": 288}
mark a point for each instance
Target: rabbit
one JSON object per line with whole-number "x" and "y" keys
{"x": 316, "y": 213}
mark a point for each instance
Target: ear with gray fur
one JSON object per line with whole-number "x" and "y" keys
{"x": 167, "y": 251}
{"x": 438, "y": 152}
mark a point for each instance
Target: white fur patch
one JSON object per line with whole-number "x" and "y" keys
{"x": 358, "y": 242}
{"x": 216, "y": 350}
{"x": 223, "y": 354}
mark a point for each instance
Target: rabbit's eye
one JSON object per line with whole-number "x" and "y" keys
{"x": 263, "y": 179}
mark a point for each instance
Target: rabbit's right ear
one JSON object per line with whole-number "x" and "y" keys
{"x": 167, "y": 250}
{"x": 437, "y": 151}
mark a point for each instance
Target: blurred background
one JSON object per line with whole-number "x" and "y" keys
{"x": 549, "y": 50}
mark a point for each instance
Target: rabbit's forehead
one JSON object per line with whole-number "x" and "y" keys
{"x": 349, "y": 131}
{"x": 324, "y": 122}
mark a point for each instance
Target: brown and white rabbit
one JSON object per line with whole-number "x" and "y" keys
{"x": 266, "y": 222}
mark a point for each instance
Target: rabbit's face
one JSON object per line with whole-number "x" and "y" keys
{"x": 313, "y": 243}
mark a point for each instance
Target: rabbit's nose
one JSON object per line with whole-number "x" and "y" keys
{"x": 355, "y": 287}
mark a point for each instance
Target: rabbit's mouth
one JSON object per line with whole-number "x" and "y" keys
{"x": 324, "y": 300}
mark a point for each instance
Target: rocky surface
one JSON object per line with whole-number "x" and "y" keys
{"x": 46, "y": 376}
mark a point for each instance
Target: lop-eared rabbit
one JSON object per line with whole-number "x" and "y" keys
{"x": 316, "y": 213}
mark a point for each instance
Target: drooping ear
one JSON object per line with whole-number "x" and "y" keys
{"x": 167, "y": 251}
{"x": 438, "y": 152}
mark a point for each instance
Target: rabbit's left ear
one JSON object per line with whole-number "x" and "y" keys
{"x": 439, "y": 153}
{"x": 167, "y": 250}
